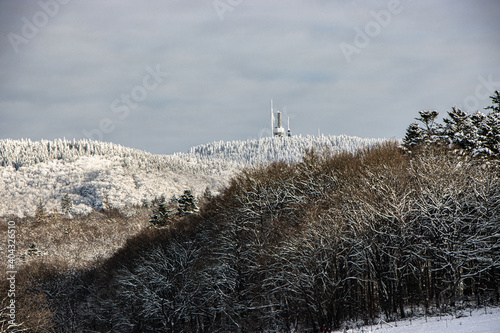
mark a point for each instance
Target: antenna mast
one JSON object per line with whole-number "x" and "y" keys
{"x": 272, "y": 119}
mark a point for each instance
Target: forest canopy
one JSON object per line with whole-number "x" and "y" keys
{"x": 383, "y": 232}
{"x": 335, "y": 238}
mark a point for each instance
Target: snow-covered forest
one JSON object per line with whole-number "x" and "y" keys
{"x": 265, "y": 150}
{"x": 378, "y": 234}
{"x": 296, "y": 239}
{"x": 89, "y": 171}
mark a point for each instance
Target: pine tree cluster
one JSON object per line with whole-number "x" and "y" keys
{"x": 478, "y": 133}
{"x": 163, "y": 215}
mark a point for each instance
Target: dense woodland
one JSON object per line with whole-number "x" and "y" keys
{"x": 89, "y": 171}
{"x": 336, "y": 238}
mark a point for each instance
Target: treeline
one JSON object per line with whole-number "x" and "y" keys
{"x": 216, "y": 158}
{"x": 271, "y": 149}
{"x": 23, "y": 153}
{"x": 88, "y": 171}
{"x": 477, "y": 134}
{"x": 334, "y": 238}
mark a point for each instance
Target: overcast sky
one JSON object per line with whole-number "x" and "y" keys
{"x": 165, "y": 75}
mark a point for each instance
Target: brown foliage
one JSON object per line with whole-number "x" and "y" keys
{"x": 338, "y": 236}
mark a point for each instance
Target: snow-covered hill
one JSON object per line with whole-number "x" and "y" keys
{"x": 89, "y": 171}
{"x": 265, "y": 150}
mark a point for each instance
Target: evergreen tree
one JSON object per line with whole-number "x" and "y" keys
{"x": 478, "y": 120}
{"x": 414, "y": 136}
{"x": 428, "y": 117}
{"x": 460, "y": 129}
{"x": 493, "y": 135}
{"x": 496, "y": 100}
{"x": 476, "y": 133}
{"x": 161, "y": 215}
{"x": 187, "y": 204}
{"x": 432, "y": 131}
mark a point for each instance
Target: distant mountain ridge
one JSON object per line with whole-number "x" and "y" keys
{"x": 266, "y": 150}
{"x": 89, "y": 171}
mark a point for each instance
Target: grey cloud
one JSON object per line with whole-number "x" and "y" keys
{"x": 223, "y": 72}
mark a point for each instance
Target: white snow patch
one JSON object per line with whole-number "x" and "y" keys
{"x": 476, "y": 321}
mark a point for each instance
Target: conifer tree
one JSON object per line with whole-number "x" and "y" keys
{"x": 428, "y": 117}
{"x": 161, "y": 215}
{"x": 431, "y": 131}
{"x": 460, "y": 129}
{"x": 496, "y": 100}
{"x": 414, "y": 136}
{"x": 187, "y": 204}
{"x": 493, "y": 135}
{"x": 477, "y": 133}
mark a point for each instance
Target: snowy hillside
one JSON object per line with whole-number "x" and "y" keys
{"x": 89, "y": 171}
{"x": 265, "y": 150}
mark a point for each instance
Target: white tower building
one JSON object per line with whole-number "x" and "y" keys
{"x": 278, "y": 130}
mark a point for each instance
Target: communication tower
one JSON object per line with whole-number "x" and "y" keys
{"x": 279, "y": 130}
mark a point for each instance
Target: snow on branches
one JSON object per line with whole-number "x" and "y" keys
{"x": 478, "y": 133}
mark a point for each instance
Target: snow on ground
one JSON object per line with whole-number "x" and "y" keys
{"x": 475, "y": 321}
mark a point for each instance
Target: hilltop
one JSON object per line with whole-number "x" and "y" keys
{"x": 91, "y": 172}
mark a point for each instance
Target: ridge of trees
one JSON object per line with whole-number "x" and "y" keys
{"x": 477, "y": 134}
{"x": 336, "y": 237}
{"x": 211, "y": 158}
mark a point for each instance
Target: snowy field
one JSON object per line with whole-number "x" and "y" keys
{"x": 476, "y": 321}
